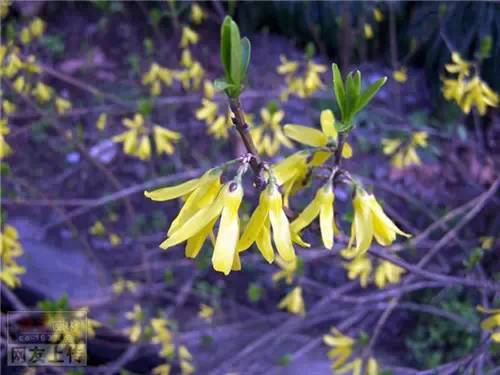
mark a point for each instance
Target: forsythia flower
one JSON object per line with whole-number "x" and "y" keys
{"x": 487, "y": 242}
{"x": 291, "y": 173}
{"x": 102, "y": 120}
{"x": 268, "y": 136}
{"x": 387, "y": 273}
{"x": 325, "y": 137}
{"x": 197, "y": 14}
{"x": 62, "y": 105}
{"x": 293, "y": 302}
{"x": 42, "y": 92}
{"x": 321, "y": 206}
{"x": 400, "y": 75}
{"x": 162, "y": 369}
{"x": 288, "y": 270}
{"x": 368, "y": 31}
{"x": 136, "y": 316}
{"x": 342, "y": 347}
{"x": 136, "y": 141}
{"x": 302, "y": 85}
{"x": 465, "y": 91}
{"x": 97, "y": 229}
{"x": 198, "y": 225}
{"x": 492, "y": 323}
{"x": 156, "y": 76}
{"x": 269, "y": 215}
{"x": 361, "y": 267}
{"x": 8, "y": 107}
{"x": 10, "y": 249}
{"x": 186, "y": 359}
{"x": 37, "y": 27}
{"x": 189, "y": 36}
{"x": 206, "y": 312}
{"x": 121, "y": 285}
{"x": 5, "y": 149}
{"x": 405, "y": 154}
{"x": 369, "y": 221}
{"x": 378, "y": 15}
{"x": 114, "y": 239}
{"x": 162, "y": 335}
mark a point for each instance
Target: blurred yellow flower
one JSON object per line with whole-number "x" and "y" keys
{"x": 8, "y": 107}
{"x": 136, "y": 316}
{"x": 293, "y": 302}
{"x": 121, "y": 285}
{"x": 162, "y": 335}
{"x": 102, "y": 120}
{"x": 206, "y": 312}
{"x": 368, "y": 31}
{"x": 487, "y": 242}
{"x": 291, "y": 173}
{"x": 360, "y": 267}
{"x": 37, "y": 27}
{"x": 400, "y": 75}
{"x": 5, "y": 149}
{"x": 268, "y": 136}
{"x": 188, "y": 37}
{"x": 378, "y": 15}
{"x": 303, "y": 85}
{"x": 387, "y": 273}
{"x": 62, "y": 105}
{"x": 97, "y": 229}
{"x": 342, "y": 347}
{"x": 114, "y": 239}
{"x": 492, "y": 323}
{"x": 162, "y": 369}
{"x": 197, "y": 14}
{"x": 288, "y": 270}
{"x": 287, "y": 66}
{"x": 42, "y": 92}
{"x": 10, "y": 249}
{"x": 404, "y": 154}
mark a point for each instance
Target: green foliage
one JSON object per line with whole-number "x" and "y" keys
{"x": 254, "y": 292}
{"x": 437, "y": 340}
{"x": 351, "y": 99}
{"x": 50, "y": 307}
{"x": 284, "y": 360}
{"x": 235, "y": 57}
{"x": 54, "y": 43}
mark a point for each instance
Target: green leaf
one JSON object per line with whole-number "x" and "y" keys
{"x": 338, "y": 87}
{"x": 369, "y": 93}
{"x": 221, "y": 84}
{"x": 357, "y": 83}
{"x": 225, "y": 45}
{"x": 235, "y": 67}
{"x": 246, "y": 51}
{"x": 350, "y": 99}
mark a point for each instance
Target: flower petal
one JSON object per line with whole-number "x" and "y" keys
{"x": 305, "y": 135}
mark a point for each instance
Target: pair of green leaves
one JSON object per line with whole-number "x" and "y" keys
{"x": 235, "y": 57}
{"x": 350, "y": 98}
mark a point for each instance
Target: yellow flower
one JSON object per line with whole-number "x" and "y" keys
{"x": 25, "y": 35}
{"x": 162, "y": 369}
{"x": 136, "y": 316}
{"x": 135, "y": 140}
{"x": 291, "y": 173}
{"x": 162, "y": 335}
{"x": 459, "y": 65}
{"x": 293, "y": 302}
{"x": 114, "y": 239}
{"x": 287, "y": 66}
{"x": 4, "y": 8}
{"x": 196, "y": 73}
{"x": 10, "y": 249}
{"x": 487, "y": 242}
{"x": 390, "y": 146}
{"x": 288, "y": 270}
{"x": 225, "y": 257}
{"x": 62, "y": 105}
{"x": 208, "y": 111}
{"x": 13, "y": 65}
{"x": 321, "y": 206}
{"x": 268, "y": 136}
{"x": 8, "y": 107}
{"x": 5, "y": 149}
{"x": 378, "y": 15}
{"x": 492, "y": 323}
{"x": 37, "y": 27}
{"x": 208, "y": 89}
{"x": 400, "y": 75}
{"x": 197, "y": 14}
{"x": 368, "y": 31}
{"x": 184, "y": 353}
{"x": 206, "y": 312}
{"x": 480, "y": 95}
{"x": 387, "y": 273}
{"x": 186, "y": 58}
{"x": 312, "y": 81}
{"x": 185, "y": 361}
{"x": 370, "y": 221}
{"x": 325, "y": 137}
{"x": 405, "y": 155}
{"x": 97, "y": 229}
{"x": 42, "y": 92}
{"x": 120, "y": 285}
{"x": 189, "y": 36}
{"x": 361, "y": 267}
{"x": 102, "y": 121}
{"x": 187, "y": 368}
{"x": 342, "y": 347}
{"x": 269, "y": 215}
{"x": 164, "y": 139}
{"x": 420, "y": 138}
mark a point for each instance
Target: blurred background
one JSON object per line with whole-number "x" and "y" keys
{"x": 78, "y": 233}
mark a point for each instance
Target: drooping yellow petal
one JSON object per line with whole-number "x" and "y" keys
{"x": 227, "y": 236}
{"x": 305, "y": 135}
{"x": 172, "y": 192}
{"x": 255, "y": 224}
{"x": 326, "y": 216}
{"x": 280, "y": 225}
{"x": 263, "y": 242}
{"x": 327, "y": 121}
{"x": 383, "y": 228}
{"x": 195, "y": 243}
{"x": 362, "y": 226}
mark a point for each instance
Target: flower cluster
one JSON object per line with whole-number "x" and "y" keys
{"x": 10, "y": 249}
{"x": 404, "y": 153}
{"x": 268, "y": 136}
{"x": 466, "y": 89}
{"x": 343, "y": 348}
{"x": 492, "y": 323}
{"x": 302, "y": 79}
{"x": 137, "y": 140}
